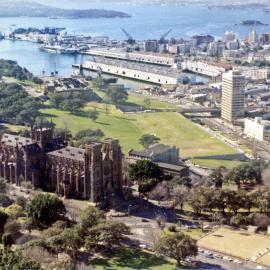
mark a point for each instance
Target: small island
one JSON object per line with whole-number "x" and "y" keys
{"x": 33, "y": 9}
{"x": 252, "y": 23}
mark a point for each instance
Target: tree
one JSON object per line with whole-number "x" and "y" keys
{"x": 117, "y": 95}
{"x": 147, "y": 140}
{"x": 89, "y": 133}
{"x": 3, "y": 220}
{"x": 144, "y": 169}
{"x": 108, "y": 234}
{"x": 72, "y": 105}
{"x": 238, "y": 220}
{"x": 180, "y": 195}
{"x": 70, "y": 241}
{"x": 21, "y": 201}
{"x": 14, "y": 260}
{"x": 160, "y": 192}
{"x": 147, "y": 102}
{"x": 217, "y": 178}
{"x": 45, "y": 209}
{"x": 5, "y": 201}
{"x": 88, "y": 136}
{"x": 90, "y": 217}
{"x": 13, "y": 228}
{"x": 261, "y": 221}
{"x": 56, "y": 100}
{"x": 7, "y": 240}
{"x": 93, "y": 114}
{"x": 3, "y": 185}
{"x": 247, "y": 174}
{"x": 181, "y": 181}
{"x": 177, "y": 246}
{"x": 146, "y": 186}
{"x": 14, "y": 211}
{"x": 62, "y": 133}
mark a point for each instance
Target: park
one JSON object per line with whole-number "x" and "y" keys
{"x": 171, "y": 127}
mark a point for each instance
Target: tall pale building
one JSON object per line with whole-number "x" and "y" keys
{"x": 233, "y": 95}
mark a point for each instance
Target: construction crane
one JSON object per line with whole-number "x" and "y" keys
{"x": 99, "y": 69}
{"x": 130, "y": 40}
{"x": 162, "y": 38}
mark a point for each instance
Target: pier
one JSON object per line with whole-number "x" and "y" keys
{"x": 136, "y": 71}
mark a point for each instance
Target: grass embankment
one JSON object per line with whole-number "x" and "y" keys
{"x": 172, "y": 128}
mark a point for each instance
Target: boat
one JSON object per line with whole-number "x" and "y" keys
{"x": 51, "y": 48}
{"x": 69, "y": 50}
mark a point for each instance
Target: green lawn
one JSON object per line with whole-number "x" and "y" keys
{"x": 172, "y": 128}
{"x": 133, "y": 259}
{"x": 137, "y": 99}
{"x": 154, "y": 103}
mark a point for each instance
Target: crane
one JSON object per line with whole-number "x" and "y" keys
{"x": 99, "y": 69}
{"x": 130, "y": 40}
{"x": 162, "y": 38}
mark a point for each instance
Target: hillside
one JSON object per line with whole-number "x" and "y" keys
{"x": 33, "y": 9}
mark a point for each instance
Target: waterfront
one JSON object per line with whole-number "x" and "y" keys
{"x": 185, "y": 21}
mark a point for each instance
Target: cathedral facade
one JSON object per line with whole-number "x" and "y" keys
{"x": 93, "y": 173}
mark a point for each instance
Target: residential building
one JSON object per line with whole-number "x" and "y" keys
{"x": 167, "y": 157}
{"x": 233, "y": 95}
{"x": 260, "y": 74}
{"x": 253, "y": 37}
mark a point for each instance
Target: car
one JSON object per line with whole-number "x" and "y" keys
{"x": 217, "y": 256}
{"x": 237, "y": 261}
{"x": 226, "y": 258}
{"x": 210, "y": 256}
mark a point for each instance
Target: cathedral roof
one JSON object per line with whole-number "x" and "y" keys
{"x": 13, "y": 140}
{"x": 69, "y": 152}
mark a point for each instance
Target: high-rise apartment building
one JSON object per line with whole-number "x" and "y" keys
{"x": 233, "y": 95}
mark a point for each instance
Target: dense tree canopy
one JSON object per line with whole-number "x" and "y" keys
{"x": 88, "y": 136}
{"x": 117, "y": 95}
{"x": 147, "y": 140}
{"x": 14, "y": 260}
{"x": 90, "y": 217}
{"x": 10, "y": 68}
{"x": 45, "y": 209}
{"x": 144, "y": 169}
{"x": 247, "y": 173}
{"x": 16, "y": 106}
{"x": 107, "y": 234}
{"x": 73, "y": 101}
{"x": 177, "y": 246}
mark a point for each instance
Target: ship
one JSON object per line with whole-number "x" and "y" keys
{"x": 51, "y": 48}
{"x": 60, "y": 49}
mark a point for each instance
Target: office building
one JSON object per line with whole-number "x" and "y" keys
{"x": 233, "y": 95}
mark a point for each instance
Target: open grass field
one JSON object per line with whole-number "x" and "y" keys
{"x": 235, "y": 243}
{"x": 172, "y": 128}
{"x": 134, "y": 259}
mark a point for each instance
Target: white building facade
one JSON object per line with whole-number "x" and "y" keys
{"x": 257, "y": 128}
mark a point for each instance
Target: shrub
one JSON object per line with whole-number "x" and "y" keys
{"x": 172, "y": 228}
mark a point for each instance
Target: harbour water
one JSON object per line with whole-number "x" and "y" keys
{"x": 147, "y": 21}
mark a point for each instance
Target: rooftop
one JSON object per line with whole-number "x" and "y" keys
{"x": 13, "y": 140}
{"x": 149, "y": 68}
{"x": 174, "y": 167}
{"x": 152, "y": 150}
{"x": 69, "y": 152}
